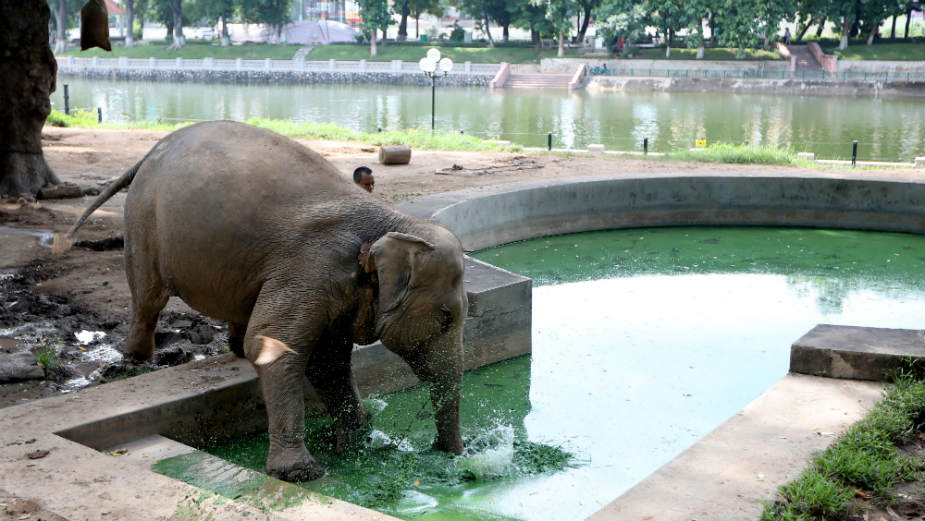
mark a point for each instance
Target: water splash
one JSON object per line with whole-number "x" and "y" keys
{"x": 490, "y": 453}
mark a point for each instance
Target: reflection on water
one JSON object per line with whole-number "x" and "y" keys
{"x": 887, "y": 129}
{"x": 630, "y": 370}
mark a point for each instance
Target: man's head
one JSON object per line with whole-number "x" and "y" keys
{"x": 363, "y": 177}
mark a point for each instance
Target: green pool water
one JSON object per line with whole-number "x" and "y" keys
{"x": 644, "y": 340}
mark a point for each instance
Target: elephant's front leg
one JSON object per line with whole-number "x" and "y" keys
{"x": 329, "y": 372}
{"x": 282, "y": 374}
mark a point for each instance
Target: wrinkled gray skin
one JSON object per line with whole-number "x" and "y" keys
{"x": 250, "y": 227}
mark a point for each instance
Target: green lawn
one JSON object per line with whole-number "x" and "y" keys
{"x": 414, "y": 53}
{"x": 718, "y": 53}
{"x": 881, "y": 51}
{"x": 194, "y": 49}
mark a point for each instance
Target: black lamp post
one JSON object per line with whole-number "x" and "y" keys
{"x": 432, "y": 65}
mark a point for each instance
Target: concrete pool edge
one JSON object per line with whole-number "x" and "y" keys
{"x": 77, "y": 481}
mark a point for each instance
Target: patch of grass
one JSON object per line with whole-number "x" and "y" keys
{"x": 194, "y": 49}
{"x": 714, "y": 53}
{"x": 79, "y": 118}
{"x": 730, "y": 153}
{"x": 413, "y": 53}
{"x": 415, "y": 138}
{"x": 811, "y": 496}
{"x": 48, "y": 359}
{"x": 865, "y": 457}
{"x": 911, "y": 51}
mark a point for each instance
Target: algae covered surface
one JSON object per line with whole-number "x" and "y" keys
{"x": 390, "y": 465}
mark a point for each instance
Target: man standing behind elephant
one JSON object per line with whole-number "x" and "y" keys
{"x": 363, "y": 177}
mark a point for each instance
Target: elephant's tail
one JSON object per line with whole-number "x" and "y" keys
{"x": 63, "y": 242}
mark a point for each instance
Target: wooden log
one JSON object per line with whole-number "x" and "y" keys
{"x": 395, "y": 154}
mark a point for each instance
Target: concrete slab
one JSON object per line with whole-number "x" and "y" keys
{"x": 863, "y": 353}
{"x": 728, "y": 474}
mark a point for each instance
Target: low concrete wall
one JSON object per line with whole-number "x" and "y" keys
{"x": 881, "y": 66}
{"x": 500, "y": 214}
{"x": 251, "y": 76}
{"x": 568, "y": 65}
{"x": 762, "y": 86}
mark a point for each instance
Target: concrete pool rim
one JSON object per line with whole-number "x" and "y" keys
{"x": 76, "y": 480}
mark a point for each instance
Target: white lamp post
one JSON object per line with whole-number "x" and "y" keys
{"x": 432, "y": 65}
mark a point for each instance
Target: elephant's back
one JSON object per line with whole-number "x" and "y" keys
{"x": 214, "y": 201}
{"x": 235, "y": 160}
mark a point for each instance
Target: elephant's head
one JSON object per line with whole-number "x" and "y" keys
{"x": 421, "y": 309}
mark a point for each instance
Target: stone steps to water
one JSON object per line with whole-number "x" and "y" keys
{"x": 805, "y": 59}
{"x": 538, "y": 81}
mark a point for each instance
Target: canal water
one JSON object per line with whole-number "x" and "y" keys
{"x": 644, "y": 340}
{"x": 889, "y": 129}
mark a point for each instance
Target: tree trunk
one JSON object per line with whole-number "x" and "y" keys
{"x": 700, "y": 50}
{"x": 372, "y": 45}
{"x": 385, "y": 36}
{"x": 584, "y": 25}
{"x": 908, "y": 19}
{"x": 667, "y": 42}
{"x": 845, "y": 29}
{"x": 535, "y": 37}
{"x": 61, "y": 29}
{"x": 141, "y": 24}
{"x": 130, "y": 21}
{"x": 27, "y": 78}
{"x": 487, "y": 30}
{"x": 803, "y": 30}
{"x": 506, "y": 32}
{"x": 893, "y": 28}
{"x": 873, "y": 33}
{"x": 821, "y": 27}
{"x": 178, "y": 39}
{"x": 417, "y": 26}
{"x": 403, "y": 25}
{"x": 561, "y": 52}
{"x": 712, "y": 22}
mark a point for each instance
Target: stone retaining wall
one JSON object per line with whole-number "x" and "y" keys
{"x": 289, "y": 77}
{"x": 761, "y": 86}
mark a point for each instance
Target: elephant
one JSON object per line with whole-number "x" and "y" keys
{"x": 252, "y": 228}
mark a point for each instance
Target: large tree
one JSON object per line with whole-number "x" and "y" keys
{"x": 274, "y": 13}
{"x": 27, "y": 78}
{"x": 559, "y": 14}
{"x": 376, "y": 16}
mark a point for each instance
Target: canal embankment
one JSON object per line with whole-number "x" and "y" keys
{"x": 863, "y": 79}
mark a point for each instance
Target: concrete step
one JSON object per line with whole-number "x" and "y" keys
{"x": 538, "y": 81}
{"x": 728, "y": 474}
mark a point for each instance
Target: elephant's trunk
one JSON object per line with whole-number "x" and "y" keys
{"x": 441, "y": 365}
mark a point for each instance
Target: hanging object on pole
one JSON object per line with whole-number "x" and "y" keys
{"x": 94, "y": 26}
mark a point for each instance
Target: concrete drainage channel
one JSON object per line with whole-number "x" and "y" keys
{"x": 57, "y": 450}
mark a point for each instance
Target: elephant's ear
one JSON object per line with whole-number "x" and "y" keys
{"x": 393, "y": 257}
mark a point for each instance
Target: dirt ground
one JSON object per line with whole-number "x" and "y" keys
{"x": 47, "y": 300}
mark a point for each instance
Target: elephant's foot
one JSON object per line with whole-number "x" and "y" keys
{"x": 293, "y": 465}
{"x": 344, "y": 429}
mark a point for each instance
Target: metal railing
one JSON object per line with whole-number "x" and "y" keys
{"x": 75, "y": 64}
{"x": 886, "y": 76}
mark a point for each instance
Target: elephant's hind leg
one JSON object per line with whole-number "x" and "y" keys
{"x": 149, "y": 296}
{"x": 330, "y": 374}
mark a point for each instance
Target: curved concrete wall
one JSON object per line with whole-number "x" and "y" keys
{"x": 490, "y": 216}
